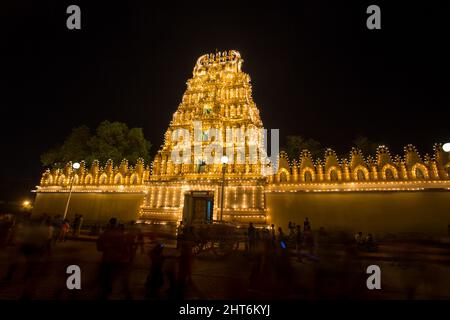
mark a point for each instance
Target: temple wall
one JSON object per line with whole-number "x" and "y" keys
{"x": 375, "y": 212}
{"x": 93, "y": 206}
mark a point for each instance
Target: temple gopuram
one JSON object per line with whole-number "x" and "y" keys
{"x": 377, "y": 193}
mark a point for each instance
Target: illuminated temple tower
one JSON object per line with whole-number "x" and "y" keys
{"x": 215, "y": 108}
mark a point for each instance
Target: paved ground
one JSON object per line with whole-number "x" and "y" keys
{"x": 408, "y": 271}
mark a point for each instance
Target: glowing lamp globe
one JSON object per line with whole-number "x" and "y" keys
{"x": 446, "y": 147}
{"x": 76, "y": 166}
{"x": 224, "y": 159}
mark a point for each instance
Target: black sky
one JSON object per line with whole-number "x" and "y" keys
{"x": 316, "y": 71}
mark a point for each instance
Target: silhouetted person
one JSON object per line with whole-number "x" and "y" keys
{"x": 135, "y": 239}
{"x": 180, "y": 230}
{"x": 273, "y": 235}
{"x": 359, "y": 239}
{"x": 283, "y": 265}
{"x": 370, "y": 243}
{"x": 50, "y": 234}
{"x": 291, "y": 229}
{"x": 251, "y": 238}
{"x": 80, "y": 223}
{"x": 298, "y": 242}
{"x": 76, "y": 222}
{"x": 43, "y": 218}
{"x": 64, "y": 230}
{"x": 32, "y": 245}
{"x": 306, "y": 225}
{"x": 7, "y": 227}
{"x": 186, "y": 257}
{"x": 57, "y": 227}
{"x": 281, "y": 238}
{"x": 115, "y": 260}
{"x": 309, "y": 240}
{"x": 155, "y": 280}
{"x": 258, "y": 263}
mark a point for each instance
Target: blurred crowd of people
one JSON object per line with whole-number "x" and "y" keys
{"x": 269, "y": 249}
{"x": 366, "y": 243}
{"x": 119, "y": 245}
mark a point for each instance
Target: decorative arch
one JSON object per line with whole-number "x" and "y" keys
{"x": 357, "y": 170}
{"x": 283, "y": 175}
{"x": 308, "y": 171}
{"x": 134, "y": 179}
{"x": 61, "y": 180}
{"x": 88, "y": 179}
{"x": 118, "y": 178}
{"x": 389, "y": 167}
{"x": 103, "y": 179}
{"x": 419, "y": 171}
{"x": 48, "y": 179}
{"x": 447, "y": 169}
{"x": 334, "y": 174}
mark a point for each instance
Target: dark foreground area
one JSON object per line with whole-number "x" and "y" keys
{"x": 409, "y": 270}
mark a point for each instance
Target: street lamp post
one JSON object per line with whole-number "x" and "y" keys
{"x": 224, "y": 161}
{"x": 75, "y": 167}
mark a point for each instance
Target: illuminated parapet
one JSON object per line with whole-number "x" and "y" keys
{"x": 95, "y": 176}
{"x": 360, "y": 169}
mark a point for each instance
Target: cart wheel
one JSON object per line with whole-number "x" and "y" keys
{"x": 222, "y": 248}
{"x": 197, "y": 248}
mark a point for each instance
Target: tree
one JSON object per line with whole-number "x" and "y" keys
{"x": 112, "y": 140}
{"x": 295, "y": 145}
{"x": 74, "y": 148}
{"x": 367, "y": 147}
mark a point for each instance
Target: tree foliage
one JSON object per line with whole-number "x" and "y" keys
{"x": 367, "y": 147}
{"x": 295, "y": 145}
{"x": 111, "y": 140}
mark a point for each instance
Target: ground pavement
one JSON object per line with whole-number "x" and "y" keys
{"x": 408, "y": 271}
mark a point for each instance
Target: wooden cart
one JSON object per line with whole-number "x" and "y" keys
{"x": 222, "y": 238}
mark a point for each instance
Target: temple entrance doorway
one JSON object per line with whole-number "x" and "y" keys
{"x": 198, "y": 207}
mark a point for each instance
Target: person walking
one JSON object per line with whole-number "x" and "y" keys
{"x": 155, "y": 279}
{"x": 135, "y": 239}
{"x": 281, "y": 238}
{"x": 298, "y": 242}
{"x": 115, "y": 260}
{"x": 251, "y": 231}
{"x": 76, "y": 221}
{"x": 273, "y": 235}
{"x": 186, "y": 259}
{"x": 359, "y": 239}
{"x": 80, "y": 223}
{"x": 306, "y": 225}
{"x": 64, "y": 230}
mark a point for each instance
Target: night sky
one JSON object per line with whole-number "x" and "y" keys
{"x": 316, "y": 71}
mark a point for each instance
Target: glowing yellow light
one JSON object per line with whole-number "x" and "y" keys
{"x": 446, "y": 147}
